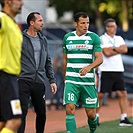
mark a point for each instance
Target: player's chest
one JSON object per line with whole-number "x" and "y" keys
{"x": 79, "y": 45}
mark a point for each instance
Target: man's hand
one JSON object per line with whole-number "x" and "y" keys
{"x": 84, "y": 70}
{"x": 53, "y": 88}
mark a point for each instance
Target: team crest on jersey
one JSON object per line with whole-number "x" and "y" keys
{"x": 86, "y": 42}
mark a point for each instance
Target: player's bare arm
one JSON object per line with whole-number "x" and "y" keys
{"x": 110, "y": 51}
{"x": 64, "y": 63}
{"x": 96, "y": 63}
{"x": 122, "y": 49}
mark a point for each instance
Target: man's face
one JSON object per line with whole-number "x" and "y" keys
{"x": 16, "y": 6}
{"x": 38, "y": 24}
{"x": 111, "y": 28}
{"x": 82, "y": 26}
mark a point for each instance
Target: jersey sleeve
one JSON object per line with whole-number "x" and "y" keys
{"x": 3, "y": 22}
{"x": 121, "y": 41}
{"x": 0, "y": 19}
{"x": 64, "y": 44}
{"x": 104, "y": 41}
{"x": 97, "y": 44}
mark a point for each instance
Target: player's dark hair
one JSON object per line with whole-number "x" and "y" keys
{"x": 31, "y": 17}
{"x": 108, "y": 21}
{"x": 2, "y": 3}
{"x": 78, "y": 15}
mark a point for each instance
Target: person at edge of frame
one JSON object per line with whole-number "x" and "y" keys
{"x": 110, "y": 72}
{"x": 10, "y": 54}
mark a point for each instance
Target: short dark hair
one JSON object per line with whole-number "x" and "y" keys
{"x": 78, "y": 15}
{"x": 108, "y": 21}
{"x": 2, "y": 3}
{"x": 31, "y": 17}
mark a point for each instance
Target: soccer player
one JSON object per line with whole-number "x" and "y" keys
{"x": 10, "y": 52}
{"x": 82, "y": 53}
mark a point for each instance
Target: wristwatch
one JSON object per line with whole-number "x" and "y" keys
{"x": 113, "y": 48}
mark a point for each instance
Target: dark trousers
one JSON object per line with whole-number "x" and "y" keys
{"x": 37, "y": 93}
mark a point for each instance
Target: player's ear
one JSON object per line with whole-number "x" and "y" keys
{"x": 31, "y": 22}
{"x": 75, "y": 24}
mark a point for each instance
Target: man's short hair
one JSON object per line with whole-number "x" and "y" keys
{"x": 108, "y": 21}
{"x": 31, "y": 17}
{"x": 2, "y": 3}
{"x": 78, "y": 15}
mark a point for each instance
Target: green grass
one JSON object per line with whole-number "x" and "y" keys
{"x": 107, "y": 127}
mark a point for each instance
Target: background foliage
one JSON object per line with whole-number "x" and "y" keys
{"x": 98, "y": 10}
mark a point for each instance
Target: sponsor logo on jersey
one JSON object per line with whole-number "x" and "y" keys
{"x": 91, "y": 101}
{"x": 79, "y": 46}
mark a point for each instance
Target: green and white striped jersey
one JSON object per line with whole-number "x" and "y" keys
{"x": 80, "y": 53}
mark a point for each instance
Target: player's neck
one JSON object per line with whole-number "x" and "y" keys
{"x": 111, "y": 35}
{"x": 31, "y": 33}
{"x": 79, "y": 33}
{"x": 8, "y": 12}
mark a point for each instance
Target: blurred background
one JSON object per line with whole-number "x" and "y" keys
{"x": 58, "y": 18}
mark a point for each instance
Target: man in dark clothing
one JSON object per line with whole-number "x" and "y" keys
{"x": 36, "y": 63}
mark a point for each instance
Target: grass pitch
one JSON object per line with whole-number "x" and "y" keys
{"x": 107, "y": 127}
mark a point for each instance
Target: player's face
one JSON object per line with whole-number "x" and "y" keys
{"x": 38, "y": 24}
{"x": 16, "y": 6}
{"x": 82, "y": 26}
{"x": 111, "y": 28}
